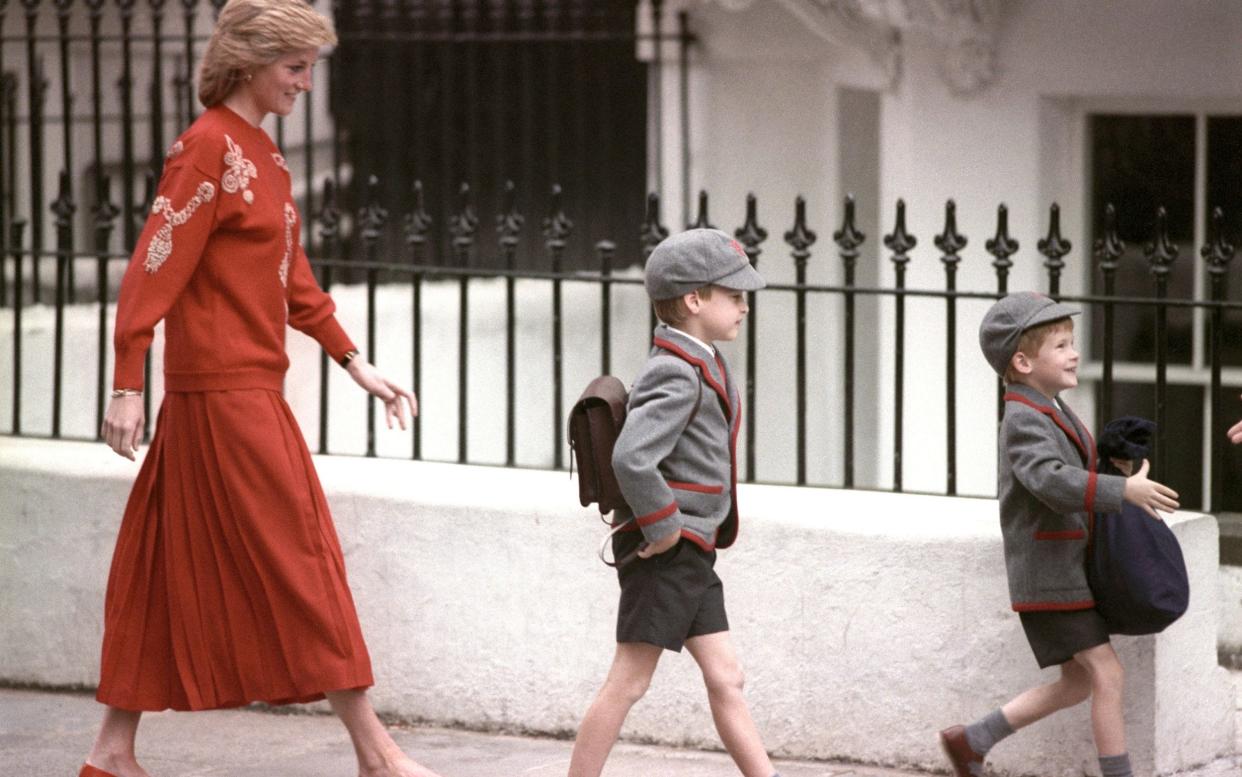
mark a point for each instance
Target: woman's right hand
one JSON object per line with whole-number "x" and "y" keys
{"x": 122, "y": 426}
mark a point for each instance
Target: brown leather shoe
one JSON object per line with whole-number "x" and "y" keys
{"x": 957, "y": 751}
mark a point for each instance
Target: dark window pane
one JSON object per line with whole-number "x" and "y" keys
{"x": 1224, "y": 176}
{"x": 1183, "y": 437}
{"x": 460, "y": 91}
{"x": 1230, "y": 465}
{"x": 1138, "y": 164}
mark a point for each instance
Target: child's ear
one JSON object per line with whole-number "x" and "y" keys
{"x": 693, "y": 301}
{"x": 1021, "y": 364}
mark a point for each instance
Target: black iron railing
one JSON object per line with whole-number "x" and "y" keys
{"x": 510, "y": 228}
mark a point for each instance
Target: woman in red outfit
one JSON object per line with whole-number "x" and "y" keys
{"x": 227, "y": 583}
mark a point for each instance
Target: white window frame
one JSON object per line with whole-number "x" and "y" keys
{"x": 1198, "y": 372}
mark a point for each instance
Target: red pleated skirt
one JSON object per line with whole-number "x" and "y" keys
{"x": 227, "y": 583}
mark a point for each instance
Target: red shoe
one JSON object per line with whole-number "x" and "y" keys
{"x": 957, "y": 751}
{"x": 91, "y": 771}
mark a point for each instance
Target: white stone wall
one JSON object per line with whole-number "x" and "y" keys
{"x": 483, "y": 605}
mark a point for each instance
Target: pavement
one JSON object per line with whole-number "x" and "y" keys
{"x": 47, "y": 733}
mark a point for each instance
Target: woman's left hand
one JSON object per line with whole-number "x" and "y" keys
{"x": 365, "y": 375}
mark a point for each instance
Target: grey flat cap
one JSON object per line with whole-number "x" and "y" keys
{"x": 1006, "y": 320}
{"x": 695, "y": 258}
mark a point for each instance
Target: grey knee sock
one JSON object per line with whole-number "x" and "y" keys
{"x": 1116, "y": 765}
{"x": 987, "y": 731}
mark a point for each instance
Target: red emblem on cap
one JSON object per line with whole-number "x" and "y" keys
{"x": 736, "y": 246}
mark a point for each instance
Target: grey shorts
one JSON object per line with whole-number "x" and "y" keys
{"x": 669, "y": 598}
{"x": 1056, "y": 636}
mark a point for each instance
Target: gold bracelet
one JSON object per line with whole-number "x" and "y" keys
{"x": 348, "y": 357}
{"x": 126, "y": 393}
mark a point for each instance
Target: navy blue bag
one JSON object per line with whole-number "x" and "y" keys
{"x": 1134, "y": 566}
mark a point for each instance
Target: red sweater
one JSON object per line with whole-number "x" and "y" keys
{"x": 220, "y": 260}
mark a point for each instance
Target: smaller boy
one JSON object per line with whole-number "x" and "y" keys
{"x": 676, "y": 463}
{"x": 1048, "y": 488}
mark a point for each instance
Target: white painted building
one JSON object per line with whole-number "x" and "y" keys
{"x": 981, "y": 101}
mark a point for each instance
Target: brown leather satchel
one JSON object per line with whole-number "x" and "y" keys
{"x": 594, "y": 423}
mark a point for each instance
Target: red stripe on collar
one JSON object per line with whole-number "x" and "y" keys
{"x": 702, "y": 365}
{"x": 1088, "y": 453}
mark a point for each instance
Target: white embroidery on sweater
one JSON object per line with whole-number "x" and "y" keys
{"x": 291, "y": 218}
{"x": 280, "y": 161}
{"x": 161, "y": 245}
{"x": 240, "y": 171}
{"x": 174, "y": 149}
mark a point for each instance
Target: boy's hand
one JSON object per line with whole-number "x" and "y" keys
{"x": 659, "y": 546}
{"x": 1148, "y": 494}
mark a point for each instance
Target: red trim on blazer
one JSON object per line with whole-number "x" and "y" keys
{"x": 737, "y": 427}
{"x": 1070, "y": 534}
{"x": 1088, "y": 451}
{"x": 734, "y": 416}
{"x": 702, "y": 365}
{"x": 1085, "y": 604}
{"x": 658, "y": 515}
{"x": 699, "y": 487}
{"x": 697, "y": 540}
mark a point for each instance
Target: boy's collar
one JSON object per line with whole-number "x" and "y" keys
{"x": 1033, "y": 394}
{"x": 711, "y": 351}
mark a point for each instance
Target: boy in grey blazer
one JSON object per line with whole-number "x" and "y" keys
{"x": 675, "y": 461}
{"x": 1049, "y": 488}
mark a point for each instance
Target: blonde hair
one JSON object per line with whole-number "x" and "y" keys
{"x": 1033, "y": 339}
{"x": 254, "y": 33}
{"x": 674, "y": 312}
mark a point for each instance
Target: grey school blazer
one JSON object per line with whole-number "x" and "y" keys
{"x": 674, "y": 476}
{"x": 1048, "y": 489}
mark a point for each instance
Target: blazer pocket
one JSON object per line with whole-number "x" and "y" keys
{"x": 696, "y": 487}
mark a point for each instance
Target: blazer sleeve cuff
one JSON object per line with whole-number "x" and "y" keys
{"x": 1106, "y": 493}
{"x": 660, "y": 523}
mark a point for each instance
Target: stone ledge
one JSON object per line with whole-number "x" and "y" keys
{"x": 854, "y": 612}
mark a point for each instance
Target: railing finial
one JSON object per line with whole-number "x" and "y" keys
{"x": 464, "y": 222}
{"x": 1053, "y": 247}
{"x": 701, "y": 221}
{"x": 950, "y": 241}
{"x": 418, "y": 221}
{"x": 1218, "y": 251}
{"x": 1001, "y": 246}
{"x": 750, "y": 234}
{"x": 800, "y": 237}
{"x": 1160, "y": 251}
{"x": 372, "y": 216}
{"x": 509, "y": 221}
{"x": 899, "y": 241}
{"x": 652, "y": 230}
{"x": 1109, "y": 247}
{"x": 557, "y": 226}
{"x": 848, "y": 238}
